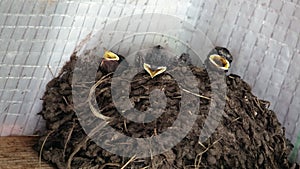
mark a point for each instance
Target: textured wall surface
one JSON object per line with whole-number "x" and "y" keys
{"x": 263, "y": 35}
{"x": 38, "y": 36}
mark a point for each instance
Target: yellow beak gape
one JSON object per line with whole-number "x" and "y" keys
{"x": 219, "y": 62}
{"x": 108, "y": 55}
{"x": 156, "y": 72}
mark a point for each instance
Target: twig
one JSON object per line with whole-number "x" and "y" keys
{"x": 197, "y": 162}
{"x": 201, "y": 144}
{"x": 83, "y": 142}
{"x": 125, "y": 125}
{"x": 92, "y": 91}
{"x": 258, "y": 105}
{"x": 68, "y": 139}
{"x": 42, "y": 147}
{"x": 156, "y": 164}
{"x": 50, "y": 71}
{"x": 195, "y": 94}
{"x": 71, "y": 130}
{"x": 66, "y": 101}
{"x": 109, "y": 164}
{"x": 129, "y": 161}
{"x": 155, "y": 132}
{"x": 234, "y": 120}
{"x": 68, "y": 104}
{"x": 77, "y": 148}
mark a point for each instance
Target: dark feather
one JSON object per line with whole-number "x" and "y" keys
{"x": 108, "y": 66}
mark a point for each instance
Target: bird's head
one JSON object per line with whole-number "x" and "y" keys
{"x": 110, "y": 61}
{"x": 154, "y": 61}
{"x": 110, "y": 56}
{"x": 224, "y": 52}
{"x": 221, "y": 58}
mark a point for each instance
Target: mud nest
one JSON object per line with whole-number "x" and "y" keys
{"x": 248, "y": 135}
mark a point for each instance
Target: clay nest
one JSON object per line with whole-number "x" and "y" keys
{"x": 248, "y": 135}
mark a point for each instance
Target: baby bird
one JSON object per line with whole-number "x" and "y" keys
{"x": 154, "y": 61}
{"x": 110, "y": 62}
{"x": 219, "y": 58}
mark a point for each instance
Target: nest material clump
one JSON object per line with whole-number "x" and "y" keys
{"x": 248, "y": 136}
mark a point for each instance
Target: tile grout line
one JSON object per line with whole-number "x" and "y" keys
{"x": 9, "y": 106}
{"x": 40, "y": 83}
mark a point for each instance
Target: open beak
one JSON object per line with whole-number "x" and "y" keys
{"x": 109, "y": 56}
{"x": 156, "y": 72}
{"x": 219, "y": 61}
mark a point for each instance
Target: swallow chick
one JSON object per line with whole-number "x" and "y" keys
{"x": 219, "y": 59}
{"x": 110, "y": 62}
{"x": 154, "y": 61}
